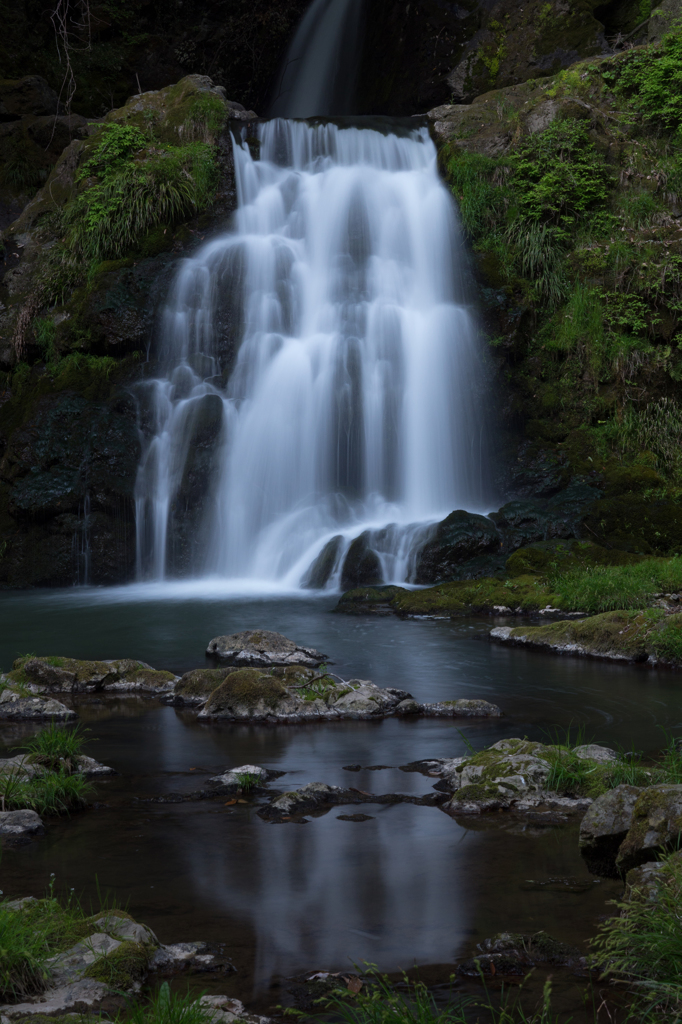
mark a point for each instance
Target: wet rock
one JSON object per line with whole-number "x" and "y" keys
{"x": 225, "y": 1010}
{"x": 79, "y": 997}
{"x": 604, "y": 828}
{"x": 90, "y": 767}
{"x": 301, "y": 801}
{"x": 463, "y": 535}
{"x": 320, "y": 572}
{"x": 511, "y": 774}
{"x": 464, "y": 708}
{"x": 20, "y": 824}
{"x": 16, "y": 707}
{"x": 26, "y": 96}
{"x": 70, "y": 675}
{"x": 615, "y": 636}
{"x": 361, "y": 566}
{"x": 516, "y": 954}
{"x": 262, "y": 649}
{"x": 246, "y": 776}
{"x": 593, "y": 752}
{"x": 196, "y": 687}
{"x": 355, "y": 817}
{"x": 54, "y": 134}
{"x": 656, "y": 826}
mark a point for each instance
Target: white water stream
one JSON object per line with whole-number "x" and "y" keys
{"x": 354, "y": 403}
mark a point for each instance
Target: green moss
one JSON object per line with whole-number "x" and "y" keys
{"x": 122, "y": 968}
{"x": 202, "y": 681}
{"x": 249, "y": 687}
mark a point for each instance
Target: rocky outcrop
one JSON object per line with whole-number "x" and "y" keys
{"x": 20, "y": 825}
{"x": 457, "y": 539}
{"x": 260, "y": 648}
{"x": 246, "y": 777}
{"x": 604, "y": 828}
{"x": 295, "y": 695}
{"x": 318, "y": 797}
{"x": 48, "y": 675}
{"x": 512, "y": 774}
{"x": 656, "y": 827}
{"x": 640, "y": 637}
{"x": 17, "y": 706}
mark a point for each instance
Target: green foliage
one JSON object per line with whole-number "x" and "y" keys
{"x": 117, "y": 144}
{"x": 45, "y": 333}
{"x": 23, "y": 955}
{"x": 120, "y": 968}
{"x": 652, "y": 81}
{"x": 557, "y": 174}
{"x": 167, "y": 1007}
{"x": 247, "y": 781}
{"x": 480, "y": 198}
{"x": 47, "y": 792}
{"x": 56, "y": 746}
{"x": 111, "y": 216}
{"x": 655, "y": 427}
{"x": 643, "y": 944}
{"x": 206, "y": 118}
{"x": 574, "y": 776}
{"x": 606, "y": 587}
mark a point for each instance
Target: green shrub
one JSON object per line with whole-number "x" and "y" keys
{"x": 167, "y": 1007}
{"x": 120, "y": 968}
{"x": 56, "y": 746}
{"x": 652, "y": 81}
{"x": 643, "y": 944}
{"x": 609, "y": 587}
{"x": 23, "y": 956}
{"x": 558, "y": 174}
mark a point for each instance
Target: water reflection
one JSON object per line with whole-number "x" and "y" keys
{"x": 408, "y": 885}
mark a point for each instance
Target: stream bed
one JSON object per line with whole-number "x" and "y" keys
{"x": 407, "y": 886}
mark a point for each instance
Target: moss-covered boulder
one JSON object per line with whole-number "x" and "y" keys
{"x": 196, "y": 687}
{"x": 247, "y": 693}
{"x": 652, "y": 635}
{"x": 656, "y": 827}
{"x": 604, "y": 828}
{"x": 70, "y": 675}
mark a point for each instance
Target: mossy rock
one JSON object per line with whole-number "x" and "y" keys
{"x": 628, "y": 635}
{"x": 202, "y": 682}
{"x": 547, "y": 557}
{"x": 247, "y": 688}
{"x": 122, "y": 968}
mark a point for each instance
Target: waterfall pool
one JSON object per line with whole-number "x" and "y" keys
{"x": 408, "y": 886}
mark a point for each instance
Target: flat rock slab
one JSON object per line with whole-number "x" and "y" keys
{"x": 79, "y": 997}
{"x": 319, "y": 796}
{"x": 15, "y": 707}
{"x": 260, "y": 648}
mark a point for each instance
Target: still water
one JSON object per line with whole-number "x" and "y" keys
{"x": 410, "y": 885}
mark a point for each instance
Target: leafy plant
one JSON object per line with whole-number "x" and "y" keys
{"x": 643, "y": 944}
{"x": 167, "y": 1007}
{"x": 247, "y": 781}
{"x": 56, "y": 747}
{"x": 652, "y": 81}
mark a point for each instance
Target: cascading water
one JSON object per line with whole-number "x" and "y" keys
{"x": 354, "y": 403}
{"x": 319, "y": 71}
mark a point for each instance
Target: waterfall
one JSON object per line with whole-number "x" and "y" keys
{"x": 320, "y": 67}
{"x": 354, "y": 402}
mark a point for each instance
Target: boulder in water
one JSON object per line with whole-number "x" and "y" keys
{"x": 463, "y": 535}
{"x": 604, "y": 828}
{"x": 319, "y": 573}
{"x": 260, "y": 648}
{"x": 361, "y": 566}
